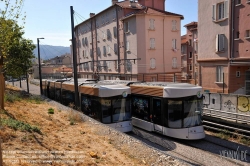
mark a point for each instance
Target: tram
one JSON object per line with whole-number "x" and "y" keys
{"x": 171, "y": 109}
{"x": 108, "y": 103}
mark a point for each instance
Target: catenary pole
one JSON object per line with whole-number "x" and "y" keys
{"x": 74, "y": 57}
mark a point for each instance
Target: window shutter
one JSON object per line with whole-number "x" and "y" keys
{"x": 108, "y": 49}
{"x": 152, "y": 63}
{"x": 225, "y": 9}
{"x": 217, "y": 43}
{"x": 153, "y": 43}
{"x": 173, "y": 43}
{"x": 127, "y": 46}
{"x": 214, "y": 13}
{"x": 172, "y": 24}
{"x": 83, "y": 55}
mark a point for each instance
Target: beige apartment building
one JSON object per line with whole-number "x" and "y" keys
{"x": 133, "y": 40}
{"x": 223, "y": 50}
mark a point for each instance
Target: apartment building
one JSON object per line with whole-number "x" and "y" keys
{"x": 135, "y": 40}
{"x": 223, "y": 50}
{"x": 189, "y": 54}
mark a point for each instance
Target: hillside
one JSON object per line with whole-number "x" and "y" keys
{"x": 36, "y": 132}
{"x": 48, "y": 51}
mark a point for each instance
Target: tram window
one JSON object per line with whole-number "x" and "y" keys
{"x": 140, "y": 107}
{"x": 52, "y": 93}
{"x": 121, "y": 111}
{"x": 86, "y": 106}
{"x": 192, "y": 112}
{"x": 106, "y": 110}
{"x": 95, "y": 109}
{"x": 174, "y": 114}
{"x": 58, "y": 94}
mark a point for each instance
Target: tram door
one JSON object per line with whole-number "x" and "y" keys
{"x": 157, "y": 115}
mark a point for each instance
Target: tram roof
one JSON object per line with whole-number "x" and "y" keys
{"x": 166, "y": 89}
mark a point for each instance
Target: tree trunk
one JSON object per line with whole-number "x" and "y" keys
{"x": 2, "y": 85}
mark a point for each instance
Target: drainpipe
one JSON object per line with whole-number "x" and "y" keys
{"x": 231, "y": 42}
{"x": 92, "y": 44}
{"x": 163, "y": 50}
{"x": 118, "y": 39}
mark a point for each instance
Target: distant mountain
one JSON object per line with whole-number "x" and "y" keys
{"x": 48, "y": 51}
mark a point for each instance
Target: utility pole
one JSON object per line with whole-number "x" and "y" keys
{"x": 39, "y": 64}
{"x": 74, "y": 57}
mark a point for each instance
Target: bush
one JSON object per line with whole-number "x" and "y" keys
{"x": 50, "y": 111}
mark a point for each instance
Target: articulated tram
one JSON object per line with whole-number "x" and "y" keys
{"x": 172, "y": 109}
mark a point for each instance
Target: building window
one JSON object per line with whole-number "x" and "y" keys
{"x": 83, "y": 41}
{"x": 115, "y": 31}
{"x": 190, "y": 55}
{"x": 220, "y": 43}
{"x": 115, "y": 48}
{"x": 104, "y": 50}
{"x": 174, "y": 44}
{"x": 174, "y": 25}
{"x": 174, "y": 63}
{"x": 151, "y": 24}
{"x": 127, "y": 46}
{"x": 152, "y": 63}
{"x": 238, "y": 2}
{"x": 219, "y": 74}
{"x": 190, "y": 42}
{"x": 237, "y": 73}
{"x": 247, "y": 33}
{"x": 86, "y": 41}
{"x": 126, "y": 26}
{"x": 190, "y": 67}
{"x": 152, "y": 43}
{"x": 237, "y": 35}
{"x": 220, "y": 11}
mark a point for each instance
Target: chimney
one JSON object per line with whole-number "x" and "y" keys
{"x": 91, "y": 14}
{"x": 114, "y": 2}
{"x": 133, "y": 3}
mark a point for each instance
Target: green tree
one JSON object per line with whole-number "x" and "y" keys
{"x": 11, "y": 40}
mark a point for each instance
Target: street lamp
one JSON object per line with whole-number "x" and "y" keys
{"x": 39, "y": 65}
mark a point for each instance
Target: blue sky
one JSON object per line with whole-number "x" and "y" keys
{"x": 51, "y": 18}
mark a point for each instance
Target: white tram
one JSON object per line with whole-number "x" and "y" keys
{"x": 108, "y": 103}
{"x": 172, "y": 109}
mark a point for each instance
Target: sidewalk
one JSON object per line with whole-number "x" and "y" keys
{"x": 33, "y": 86}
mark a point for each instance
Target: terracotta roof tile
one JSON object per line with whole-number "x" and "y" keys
{"x": 149, "y": 10}
{"x": 191, "y": 23}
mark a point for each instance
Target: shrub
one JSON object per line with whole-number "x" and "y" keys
{"x": 12, "y": 97}
{"x": 50, "y": 111}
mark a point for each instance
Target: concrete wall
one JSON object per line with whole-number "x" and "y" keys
{"x": 229, "y": 103}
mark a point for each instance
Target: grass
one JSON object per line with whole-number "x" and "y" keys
{"x": 12, "y": 97}
{"x": 19, "y": 125}
{"x": 226, "y": 135}
{"x": 74, "y": 116}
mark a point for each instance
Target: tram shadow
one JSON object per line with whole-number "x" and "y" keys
{"x": 153, "y": 139}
